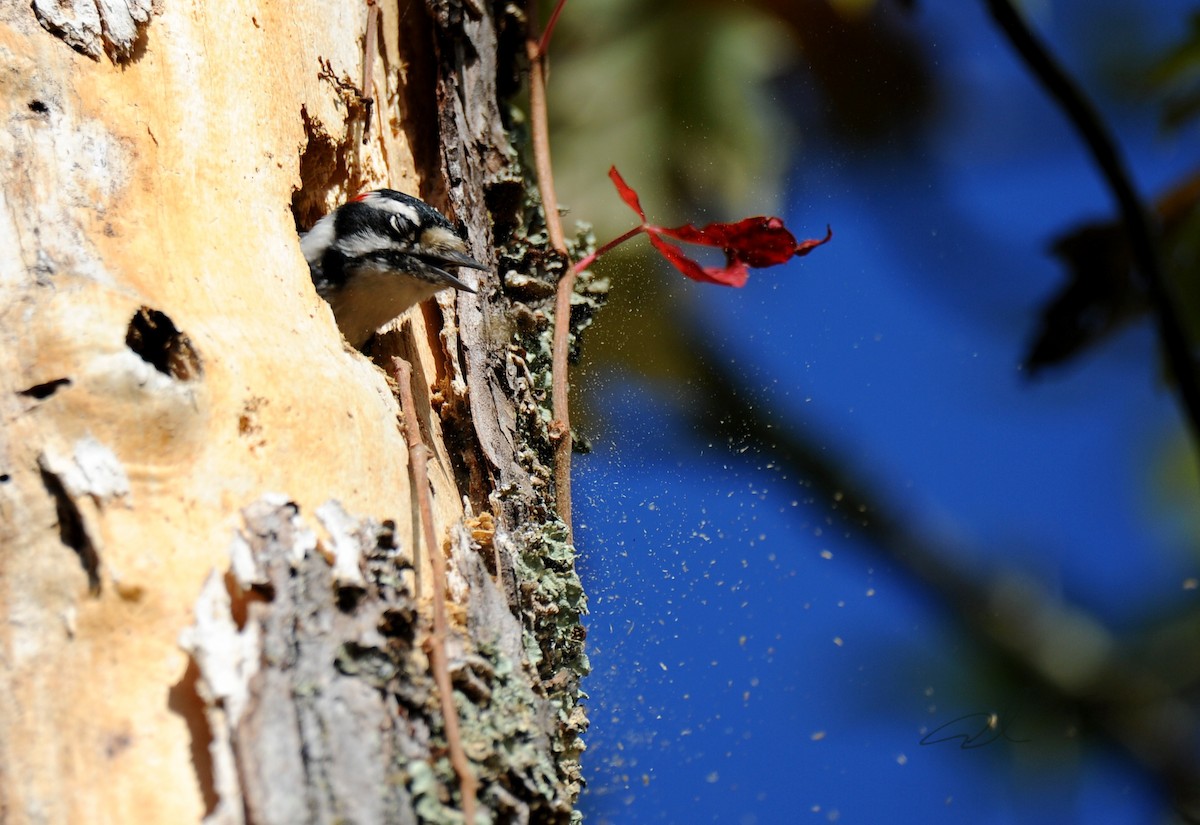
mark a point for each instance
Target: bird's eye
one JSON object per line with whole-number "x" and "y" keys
{"x": 399, "y": 224}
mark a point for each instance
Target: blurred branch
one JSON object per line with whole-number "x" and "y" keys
{"x": 1142, "y": 232}
{"x": 1054, "y": 646}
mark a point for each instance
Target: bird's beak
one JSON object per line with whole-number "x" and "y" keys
{"x": 451, "y": 280}
{"x": 437, "y": 260}
{"x": 449, "y": 258}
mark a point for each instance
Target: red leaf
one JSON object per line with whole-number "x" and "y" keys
{"x": 734, "y": 273}
{"x": 804, "y": 247}
{"x": 751, "y": 242}
{"x": 758, "y": 242}
{"x": 627, "y": 194}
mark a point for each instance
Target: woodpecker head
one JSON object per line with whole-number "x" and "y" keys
{"x": 378, "y": 255}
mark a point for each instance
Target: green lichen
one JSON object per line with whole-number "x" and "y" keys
{"x": 427, "y": 782}
{"x": 551, "y": 595}
{"x": 505, "y": 735}
{"x": 554, "y": 640}
{"x": 546, "y": 570}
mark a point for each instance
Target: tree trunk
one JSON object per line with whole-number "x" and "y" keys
{"x": 217, "y": 604}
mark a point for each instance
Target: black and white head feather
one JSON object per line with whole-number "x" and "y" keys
{"x": 378, "y": 255}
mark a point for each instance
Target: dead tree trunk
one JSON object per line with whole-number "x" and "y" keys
{"x": 215, "y": 596}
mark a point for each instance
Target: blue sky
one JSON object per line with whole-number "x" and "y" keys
{"x": 754, "y": 666}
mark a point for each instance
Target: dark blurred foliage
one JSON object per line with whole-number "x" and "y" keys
{"x": 1103, "y": 292}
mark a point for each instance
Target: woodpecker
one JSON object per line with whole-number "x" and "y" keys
{"x": 378, "y": 255}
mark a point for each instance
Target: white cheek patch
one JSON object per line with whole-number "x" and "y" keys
{"x": 399, "y": 207}
{"x": 362, "y": 243}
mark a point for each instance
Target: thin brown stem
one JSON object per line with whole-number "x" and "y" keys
{"x": 418, "y": 455}
{"x": 370, "y": 48}
{"x": 560, "y": 427}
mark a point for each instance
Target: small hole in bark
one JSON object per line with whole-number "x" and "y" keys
{"x": 349, "y": 596}
{"x": 38, "y": 107}
{"x": 45, "y": 389}
{"x": 153, "y": 336}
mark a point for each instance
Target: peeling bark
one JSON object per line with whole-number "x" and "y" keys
{"x": 96, "y": 27}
